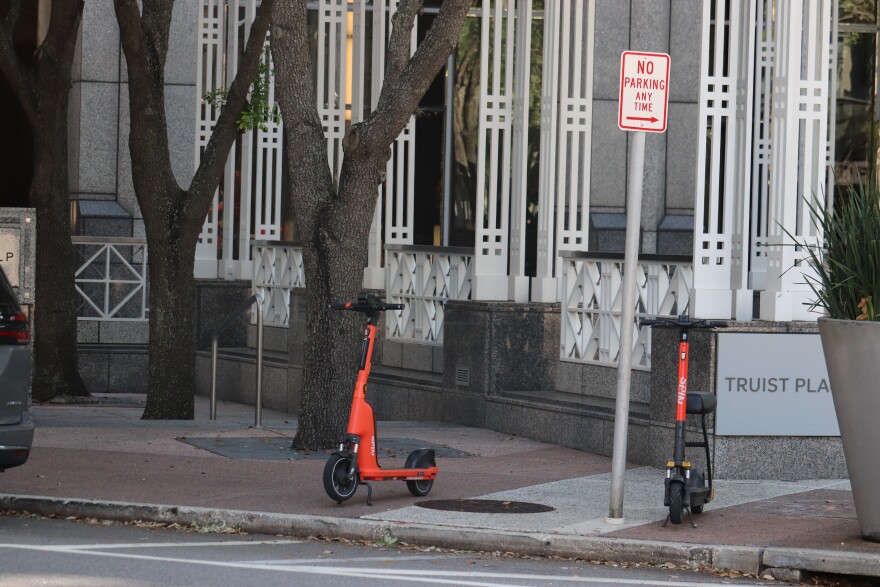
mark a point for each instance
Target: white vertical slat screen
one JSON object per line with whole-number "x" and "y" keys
{"x": 494, "y": 149}
{"x": 332, "y": 21}
{"x": 714, "y": 205}
{"x": 399, "y": 189}
{"x": 575, "y": 125}
{"x": 742, "y": 191}
{"x": 209, "y": 75}
{"x": 799, "y": 153}
{"x": 248, "y": 202}
{"x": 544, "y": 285}
{"x": 566, "y": 138}
{"x": 765, "y": 48}
{"x": 518, "y": 288}
{"x": 269, "y": 152}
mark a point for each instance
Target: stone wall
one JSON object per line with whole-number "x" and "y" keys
{"x": 99, "y": 158}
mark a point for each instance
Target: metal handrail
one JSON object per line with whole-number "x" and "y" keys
{"x": 258, "y": 408}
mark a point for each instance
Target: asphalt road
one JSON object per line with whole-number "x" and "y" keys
{"x": 39, "y": 551}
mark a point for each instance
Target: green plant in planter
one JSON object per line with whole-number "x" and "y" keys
{"x": 847, "y": 261}
{"x": 847, "y": 284}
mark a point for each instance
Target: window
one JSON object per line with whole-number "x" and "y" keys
{"x": 856, "y": 139}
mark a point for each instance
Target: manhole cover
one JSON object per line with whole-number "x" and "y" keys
{"x": 485, "y": 506}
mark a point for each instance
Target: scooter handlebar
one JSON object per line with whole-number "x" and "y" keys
{"x": 366, "y": 304}
{"x": 683, "y": 321}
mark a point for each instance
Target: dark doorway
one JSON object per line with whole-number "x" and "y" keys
{"x": 16, "y": 144}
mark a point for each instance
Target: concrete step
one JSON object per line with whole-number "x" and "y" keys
{"x": 574, "y": 403}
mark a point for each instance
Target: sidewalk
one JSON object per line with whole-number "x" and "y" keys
{"x": 100, "y": 460}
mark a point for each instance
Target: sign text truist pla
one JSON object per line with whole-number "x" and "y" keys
{"x": 776, "y": 384}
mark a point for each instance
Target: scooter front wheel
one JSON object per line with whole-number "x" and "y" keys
{"x": 338, "y": 485}
{"x": 420, "y": 488}
{"x": 676, "y": 494}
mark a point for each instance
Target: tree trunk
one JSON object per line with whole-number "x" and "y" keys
{"x": 172, "y": 348}
{"x": 335, "y": 223}
{"x": 42, "y": 86}
{"x": 56, "y": 371}
{"x": 334, "y": 267}
{"x": 173, "y": 217}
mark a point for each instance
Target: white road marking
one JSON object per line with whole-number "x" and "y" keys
{"x": 108, "y": 546}
{"x": 436, "y": 576}
{"x": 357, "y": 559}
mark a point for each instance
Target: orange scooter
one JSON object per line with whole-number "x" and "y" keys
{"x": 686, "y": 488}
{"x": 353, "y": 465}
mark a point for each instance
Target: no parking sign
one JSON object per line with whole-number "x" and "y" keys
{"x": 644, "y": 91}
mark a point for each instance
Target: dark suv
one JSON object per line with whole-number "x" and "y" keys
{"x": 16, "y": 426}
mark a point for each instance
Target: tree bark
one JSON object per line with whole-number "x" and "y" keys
{"x": 335, "y": 223}
{"x": 55, "y": 358}
{"x": 172, "y": 347}
{"x": 42, "y": 89}
{"x": 173, "y": 216}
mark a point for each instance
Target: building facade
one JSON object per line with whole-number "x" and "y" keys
{"x": 505, "y": 196}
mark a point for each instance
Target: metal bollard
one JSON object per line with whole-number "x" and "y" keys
{"x": 258, "y": 407}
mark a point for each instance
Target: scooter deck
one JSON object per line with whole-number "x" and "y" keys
{"x": 398, "y": 474}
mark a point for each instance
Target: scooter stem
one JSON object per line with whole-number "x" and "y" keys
{"x": 681, "y": 399}
{"x": 360, "y": 385}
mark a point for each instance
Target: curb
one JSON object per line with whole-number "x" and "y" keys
{"x": 747, "y": 559}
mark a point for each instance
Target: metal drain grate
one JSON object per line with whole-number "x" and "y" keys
{"x": 485, "y": 506}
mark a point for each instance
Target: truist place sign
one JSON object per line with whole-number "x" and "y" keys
{"x": 773, "y": 385}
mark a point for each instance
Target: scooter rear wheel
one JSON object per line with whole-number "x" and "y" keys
{"x": 420, "y": 488}
{"x": 676, "y": 491}
{"x": 336, "y": 481}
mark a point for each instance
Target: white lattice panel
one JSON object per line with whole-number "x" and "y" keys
{"x": 111, "y": 279}
{"x": 277, "y": 270}
{"x": 423, "y": 282}
{"x": 591, "y": 314}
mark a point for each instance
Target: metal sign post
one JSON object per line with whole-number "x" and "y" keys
{"x": 644, "y": 82}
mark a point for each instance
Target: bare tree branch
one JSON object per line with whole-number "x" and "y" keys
{"x": 128, "y": 17}
{"x": 400, "y": 97}
{"x": 399, "y": 43}
{"x": 214, "y": 157}
{"x": 61, "y": 36}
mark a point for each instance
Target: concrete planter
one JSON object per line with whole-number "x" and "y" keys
{"x": 852, "y": 355}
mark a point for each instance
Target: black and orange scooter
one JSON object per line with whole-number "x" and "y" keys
{"x": 355, "y": 462}
{"x": 685, "y": 487}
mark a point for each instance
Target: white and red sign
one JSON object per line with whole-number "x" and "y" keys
{"x": 644, "y": 91}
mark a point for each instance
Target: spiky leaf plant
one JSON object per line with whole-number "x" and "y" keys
{"x": 847, "y": 261}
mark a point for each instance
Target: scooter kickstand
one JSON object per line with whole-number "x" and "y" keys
{"x": 370, "y": 492}
{"x": 666, "y": 521}
{"x": 691, "y": 516}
